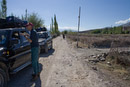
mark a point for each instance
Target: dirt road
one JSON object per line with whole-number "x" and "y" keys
{"x": 61, "y": 67}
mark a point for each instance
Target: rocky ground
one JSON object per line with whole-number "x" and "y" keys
{"x": 67, "y": 66}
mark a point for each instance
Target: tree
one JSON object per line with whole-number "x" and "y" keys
{"x": 51, "y": 26}
{"x": 97, "y": 31}
{"x": 25, "y": 17}
{"x": 65, "y": 32}
{"x": 22, "y": 17}
{"x": 0, "y": 13}
{"x": 4, "y": 9}
{"x": 56, "y": 26}
{"x": 36, "y": 20}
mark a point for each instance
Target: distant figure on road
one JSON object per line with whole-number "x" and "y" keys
{"x": 63, "y": 36}
{"x": 33, "y": 39}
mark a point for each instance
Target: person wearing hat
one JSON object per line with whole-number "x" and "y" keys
{"x": 33, "y": 39}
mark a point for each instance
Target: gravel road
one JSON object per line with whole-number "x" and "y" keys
{"x": 61, "y": 67}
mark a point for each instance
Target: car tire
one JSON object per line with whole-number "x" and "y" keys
{"x": 3, "y": 78}
{"x": 46, "y": 48}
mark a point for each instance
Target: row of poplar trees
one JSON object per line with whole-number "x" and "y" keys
{"x": 3, "y": 9}
{"x": 54, "y": 26}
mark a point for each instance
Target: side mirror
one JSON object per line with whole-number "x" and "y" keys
{"x": 14, "y": 41}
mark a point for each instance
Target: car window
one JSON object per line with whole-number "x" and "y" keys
{"x": 23, "y": 38}
{"x": 3, "y": 37}
{"x": 41, "y": 35}
{"x": 15, "y": 35}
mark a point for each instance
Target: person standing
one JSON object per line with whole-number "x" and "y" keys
{"x": 63, "y": 36}
{"x": 33, "y": 39}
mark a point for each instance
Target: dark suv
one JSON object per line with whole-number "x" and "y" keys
{"x": 15, "y": 53}
{"x": 45, "y": 41}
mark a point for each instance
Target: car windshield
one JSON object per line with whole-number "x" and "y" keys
{"x": 3, "y": 37}
{"x": 41, "y": 35}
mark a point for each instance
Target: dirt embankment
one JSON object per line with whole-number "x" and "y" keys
{"x": 108, "y": 62}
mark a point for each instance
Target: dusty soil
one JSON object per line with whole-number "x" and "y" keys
{"x": 66, "y": 66}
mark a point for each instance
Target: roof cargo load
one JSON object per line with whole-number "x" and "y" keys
{"x": 41, "y": 29}
{"x": 12, "y": 22}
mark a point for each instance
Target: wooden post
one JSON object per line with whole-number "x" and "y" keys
{"x": 78, "y": 26}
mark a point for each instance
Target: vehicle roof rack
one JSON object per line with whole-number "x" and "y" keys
{"x": 41, "y": 29}
{"x": 12, "y": 22}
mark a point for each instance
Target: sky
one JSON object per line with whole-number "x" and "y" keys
{"x": 94, "y": 13}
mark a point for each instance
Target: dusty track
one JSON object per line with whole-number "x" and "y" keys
{"x": 61, "y": 67}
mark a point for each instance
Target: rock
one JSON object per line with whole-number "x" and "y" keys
{"x": 109, "y": 63}
{"x": 102, "y": 59}
{"x": 86, "y": 58}
{"x": 98, "y": 56}
{"x": 94, "y": 68}
{"x": 70, "y": 65}
{"x": 104, "y": 55}
{"x": 91, "y": 55}
{"x": 57, "y": 83}
{"x": 94, "y": 61}
{"x": 56, "y": 73}
{"x": 94, "y": 56}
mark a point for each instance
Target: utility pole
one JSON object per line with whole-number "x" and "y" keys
{"x": 78, "y": 25}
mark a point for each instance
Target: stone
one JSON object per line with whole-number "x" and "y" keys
{"x": 108, "y": 63}
{"x": 94, "y": 60}
{"x": 70, "y": 65}
{"x": 94, "y": 56}
{"x": 102, "y": 59}
{"x": 104, "y": 55}
{"x": 94, "y": 68}
{"x": 98, "y": 56}
{"x": 57, "y": 83}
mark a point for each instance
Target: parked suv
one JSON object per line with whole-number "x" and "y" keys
{"x": 15, "y": 53}
{"x": 45, "y": 41}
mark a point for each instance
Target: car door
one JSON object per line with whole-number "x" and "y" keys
{"x": 17, "y": 58}
{"x": 26, "y": 49}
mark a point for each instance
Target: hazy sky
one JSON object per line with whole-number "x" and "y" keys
{"x": 94, "y": 13}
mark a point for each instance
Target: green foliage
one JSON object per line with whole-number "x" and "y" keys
{"x": 36, "y": 20}
{"x": 65, "y": 32}
{"x": 113, "y": 30}
{"x": 54, "y": 26}
{"x": 22, "y": 17}
{"x": 0, "y": 13}
{"x": 70, "y": 32}
{"x": 96, "y": 31}
{"x": 3, "y": 10}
